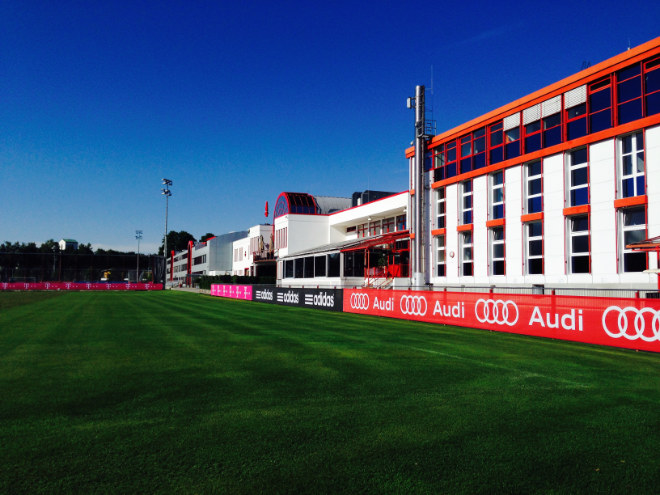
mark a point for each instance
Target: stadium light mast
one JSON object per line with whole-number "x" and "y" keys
{"x": 167, "y": 193}
{"x": 138, "y": 236}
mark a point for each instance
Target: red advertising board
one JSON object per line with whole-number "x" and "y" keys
{"x": 629, "y": 323}
{"x": 78, "y": 286}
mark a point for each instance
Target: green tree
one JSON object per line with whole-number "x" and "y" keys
{"x": 206, "y": 237}
{"x": 176, "y": 241}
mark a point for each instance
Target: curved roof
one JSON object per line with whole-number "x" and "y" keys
{"x": 306, "y": 204}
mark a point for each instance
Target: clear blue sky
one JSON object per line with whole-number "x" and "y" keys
{"x": 239, "y": 101}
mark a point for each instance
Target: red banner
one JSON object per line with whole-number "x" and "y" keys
{"x": 629, "y": 323}
{"x": 78, "y": 286}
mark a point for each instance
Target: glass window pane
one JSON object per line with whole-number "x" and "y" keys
{"x": 513, "y": 149}
{"x": 536, "y": 248}
{"x": 577, "y": 110}
{"x": 579, "y": 156}
{"x": 634, "y": 216}
{"x": 498, "y": 195}
{"x": 579, "y": 176}
{"x": 580, "y": 264}
{"x": 535, "y": 266}
{"x": 627, "y": 90}
{"x": 533, "y": 143}
{"x": 552, "y": 137}
{"x": 580, "y": 197}
{"x": 534, "y": 169}
{"x": 535, "y": 229}
{"x": 630, "y": 111}
{"x": 533, "y": 127}
{"x": 577, "y": 128}
{"x": 600, "y": 121}
{"x": 498, "y": 251}
{"x": 498, "y": 211}
{"x": 627, "y": 165}
{"x": 580, "y": 224}
{"x": 632, "y": 236}
{"x": 498, "y": 267}
{"x": 580, "y": 244}
{"x": 534, "y": 186}
{"x": 512, "y": 134}
{"x": 498, "y": 234}
{"x": 628, "y": 72}
{"x": 496, "y": 155}
{"x": 634, "y": 262}
{"x": 599, "y": 100}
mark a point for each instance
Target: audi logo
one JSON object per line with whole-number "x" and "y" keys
{"x": 638, "y": 323}
{"x": 413, "y": 305}
{"x": 359, "y": 301}
{"x": 496, "y": 311}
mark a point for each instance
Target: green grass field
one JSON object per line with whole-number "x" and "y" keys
{"x": 182, "y": 393}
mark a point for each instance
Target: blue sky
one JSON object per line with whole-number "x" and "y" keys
{"x": 239, "y": 101}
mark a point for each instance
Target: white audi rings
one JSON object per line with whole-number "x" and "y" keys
{"x": 359, "y": 301}
{"x": 413, "y": 305}
{"x": 638, "y": 323}
{"x": 496, "y": 311}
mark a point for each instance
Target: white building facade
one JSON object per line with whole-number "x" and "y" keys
{"x": 552, "y": 188}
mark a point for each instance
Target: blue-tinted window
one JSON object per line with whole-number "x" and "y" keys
{"x": 466, "y": 165}
{"x": 451, "y": 170}
{"x": 653, "y": 103}
{"x": 533, "y": 143}
{"x": 534, "y": 186}
{"x": 600, "y": 100}
{"x": 630, "y": 111}
{"x": 467, "y": 217}
{"x": 600, "y": 121}
{"x": 580, "y": 196}
{"x": 498, "y": 211}
{"x": 496, "y": 155}
{"x": 552, "y": 136}
{"x": 576, "y": 128}
{"x": 629, "y": 90}
{"x": 513, "y": 149}
{"x": 652, "y": 81}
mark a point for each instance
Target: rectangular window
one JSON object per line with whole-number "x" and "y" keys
{"x": 579, "y": 259}
{"x": 401, "y": 222}
{"x": 552, "y": 130}
{"x": 497, "y": 195}
{"x": 439, "y": 172}
{"x": 388, "y": 225}
{"x": 288, "y": 269}
{"x": 363, "y": 230}
{"x": 578, "y": 177}
{"x": 652, "y": 86}
{"x": 576, "y": 121}
{"x": 495, "y": 143}
{"x": 497, "y": 251}
{"x": 632, "y": 228}
{"x": 319, "y": 266}
{"x": 465, "y": 259}
{"x": 466, "y": 202}
{"x": 299, "y": 267}
{"x": 451, "y": 159}
{"x": 441, "y": 208}
{"x": 441, "y": 264}
{"x": 600, "y": 105}
{"x": 534, "y": 248}
{"x": 374, "y": 228}
{"x": 631, "y": 166}
{"x": 512, "y": 142}
{"x": 533, "y": 187}
{"x": 629, "y": 94}
{"x": 533, "y": 136}
{"x": 333, "y": 264}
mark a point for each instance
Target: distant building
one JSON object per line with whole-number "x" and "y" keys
{"x": 213, "y": 257}
{"x": 68, "y": 244}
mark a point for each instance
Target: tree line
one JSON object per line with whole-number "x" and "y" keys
{"x": 177, "y": 241}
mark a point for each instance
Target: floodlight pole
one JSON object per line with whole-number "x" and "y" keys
{"x": 138, "y": 236}
{"x": 167, "y": 193}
